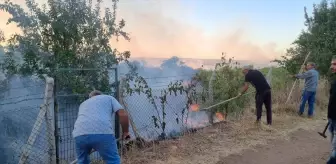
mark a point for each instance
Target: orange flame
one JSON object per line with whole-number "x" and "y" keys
{"x": 220, "y": 116}
{"x": 194, "y": 107}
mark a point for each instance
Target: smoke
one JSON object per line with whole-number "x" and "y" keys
{"x": 169, "y": 70}
{"x": 162, "y": 29}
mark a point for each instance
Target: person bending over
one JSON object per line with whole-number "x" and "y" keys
{"x": 94, "y": 130}
{"x": 263, "y": 92}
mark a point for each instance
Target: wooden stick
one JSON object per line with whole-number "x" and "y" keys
{"x": 225, "y": 101}
{"x": 290, "y": 93}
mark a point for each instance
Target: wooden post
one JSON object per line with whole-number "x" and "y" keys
{"x": 49, "y": 118}
{"x": 37, "y": 125}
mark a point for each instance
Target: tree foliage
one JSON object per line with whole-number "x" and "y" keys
{"x": 226, "y": 84}
{"x": 65, "y": 34}
{"x": 319, "y": 39}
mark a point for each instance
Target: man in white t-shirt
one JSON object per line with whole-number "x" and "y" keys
{"x": 93, "y": 128}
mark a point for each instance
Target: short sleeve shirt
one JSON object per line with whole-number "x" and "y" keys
{"x": 95, "y": 116}
{"x": 258, "y": 80}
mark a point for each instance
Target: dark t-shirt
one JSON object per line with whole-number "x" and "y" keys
{"x": 258, "y": 80}
{"x": 332, "y": 102}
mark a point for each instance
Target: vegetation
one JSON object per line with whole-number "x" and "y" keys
{"x": 226, "y": 84}
{"x": 65, "y": 34}
{"x": 318, "y": 38}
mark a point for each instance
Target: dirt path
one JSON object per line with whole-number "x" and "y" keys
{"x": 303, "y": 146}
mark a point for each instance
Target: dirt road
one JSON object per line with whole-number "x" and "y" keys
{"x": 291, "y": 140}
{"x": 303, "y": 146}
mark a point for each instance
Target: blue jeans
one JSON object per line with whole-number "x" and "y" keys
{"x": 310, "y": 96}
{"x": 332, "y": 129}
{"x": 104, "y": 144}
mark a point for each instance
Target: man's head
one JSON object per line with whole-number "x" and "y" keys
{"x": 333, "y": 64}
{"x": 94, "y": 93}
{"x": 246, "y": 69}
{"x": 310, "y": 65}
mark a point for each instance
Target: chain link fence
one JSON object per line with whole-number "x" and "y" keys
{"x": 168, "y": 115}
{"x": 25, "y": 128}
{"x": 26, "y": 125}
{"x": 179, "y": 114}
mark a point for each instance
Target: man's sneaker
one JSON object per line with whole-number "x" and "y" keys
{"x": 300, "y": 113}
{"x": 257, "y": 123}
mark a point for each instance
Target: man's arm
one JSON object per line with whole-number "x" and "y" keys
{"x": 246, "y": 85}
{"x": 124, "y": 121}
{"x": 245, "y": 88}
{"x": 123, "y": 116}
{"x": 304, "y": 75}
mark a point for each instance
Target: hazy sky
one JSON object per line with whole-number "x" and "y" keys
{"x": 246, "y": 29}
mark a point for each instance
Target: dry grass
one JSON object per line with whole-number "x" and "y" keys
{"x": 233, "y": 136}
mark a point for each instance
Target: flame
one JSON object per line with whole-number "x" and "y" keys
{"x": 220, "y": 116}
{"x": 194, "y": 107}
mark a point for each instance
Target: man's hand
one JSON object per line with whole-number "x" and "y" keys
{"x": 126, "y": 136}
{"x": 292, "y": 76}
{"x": 239, "y": 94}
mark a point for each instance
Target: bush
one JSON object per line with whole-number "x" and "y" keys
{"x": 227, "y": 81}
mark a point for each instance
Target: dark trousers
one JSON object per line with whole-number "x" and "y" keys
{"x": 264, "y": 98}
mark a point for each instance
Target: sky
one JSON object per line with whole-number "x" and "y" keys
{"x": 256, "y": 30}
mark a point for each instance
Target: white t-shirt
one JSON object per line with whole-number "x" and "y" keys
{"x": 95, "y": 116}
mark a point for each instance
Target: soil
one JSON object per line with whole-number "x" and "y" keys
{"x": 290, "y": 140}
{"x": 304, "y": 147}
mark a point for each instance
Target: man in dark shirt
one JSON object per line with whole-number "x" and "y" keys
{"x": 332, "y": 113}
{"x": 263, "y": 95}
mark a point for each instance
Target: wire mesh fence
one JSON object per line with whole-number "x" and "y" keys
{"x": 163, "y": 114}
{"x": 25, "y": 134}
{"x": 176, "y": 115}
{"x": 23, "y": 124}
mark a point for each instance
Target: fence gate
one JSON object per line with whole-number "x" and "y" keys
{"x": 72, "y": 86}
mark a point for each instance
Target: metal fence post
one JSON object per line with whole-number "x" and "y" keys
{"x": 117, "y": 122}
{"x": 56, "y": 121}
